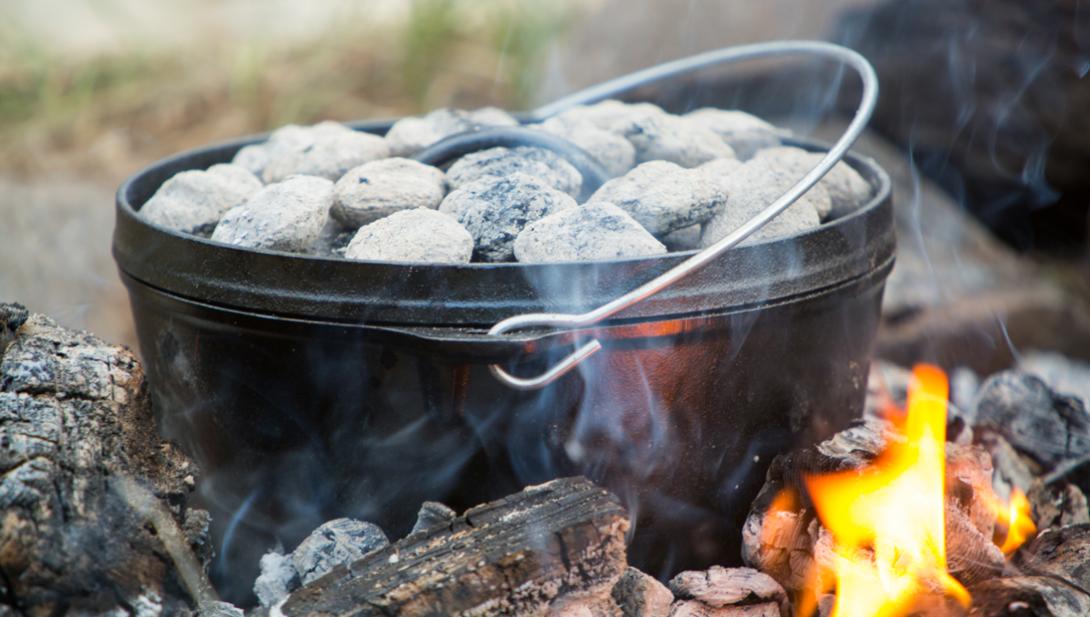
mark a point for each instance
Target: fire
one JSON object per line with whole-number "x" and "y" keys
{"x": 887, "y": 520}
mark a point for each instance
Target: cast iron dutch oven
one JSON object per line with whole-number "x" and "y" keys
{"x": 310, "y": 388}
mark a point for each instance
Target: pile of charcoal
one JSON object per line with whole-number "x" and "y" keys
{"x": 677, "y": 183}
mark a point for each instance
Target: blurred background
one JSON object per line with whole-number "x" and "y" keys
{"x": 984, "y": 107}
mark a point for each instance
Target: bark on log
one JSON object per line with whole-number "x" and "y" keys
{"x": 94, "y": 502}
{"x": 516, "y": 556}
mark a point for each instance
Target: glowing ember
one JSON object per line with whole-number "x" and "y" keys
{"x": 887, "y": 520}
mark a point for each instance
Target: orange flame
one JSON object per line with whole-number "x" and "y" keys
{"x": 1018, "y": 522}
{"x": 887, "y": 520}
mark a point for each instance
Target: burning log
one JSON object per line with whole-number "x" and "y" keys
{"x": 639, "y": 595}
{"x": 95, "y": 516}
{"x": 1028, "y": 596}
{"x": 728, "y": 592}
{"x": 561, "y": 542}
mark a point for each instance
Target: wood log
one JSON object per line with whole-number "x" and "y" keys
{"x": 640, "y": 595}
{"x": 1028, "y": 596}
{"x": 1063, "y": 553}
{"x": 728, "y": 592}
{"x": 1057, "y": 505}
{"x": 516, "y": 556}
{"x": 95, "y": 516}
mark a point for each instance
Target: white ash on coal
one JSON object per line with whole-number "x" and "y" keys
{"x": 495, "y": 210}
{"x": 193, "y": 202}
{"x": 338, "y": 542}
{"x": 616, "y": 154}
{"x": 286, "y": 216}
{"x": 679, "y": 177}
{"x": 545, "y": 165}
{"x": 664, "y": 197}
{"x": 595, "y": 231}
{"x": 380, "y": 188}
{"x": 410, "y": 135}
{"x": 331, "y": 153}
{"x": 744, "y": 133}
{"x": 421, "y": 235}
{"x": 846, "y": 188}
{"x": 750, "y": 189}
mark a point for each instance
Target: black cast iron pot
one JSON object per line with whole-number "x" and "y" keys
{"x": 311, "y": 388}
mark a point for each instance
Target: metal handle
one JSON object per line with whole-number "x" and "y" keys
{"x": 670, "y": 69}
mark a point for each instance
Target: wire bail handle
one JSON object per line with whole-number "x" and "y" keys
{"x": 613, "y": 87}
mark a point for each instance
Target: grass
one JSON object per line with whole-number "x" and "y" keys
{"x": 143, "y": 102}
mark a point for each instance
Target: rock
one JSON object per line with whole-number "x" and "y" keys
{"x": 664, "y": 197}
{"x": 95, "y": 502}
{"x": 744, "y": 133}
{"x": 674, "y": 139}
{"x": 380, "y": 188}
{"x": 278, "y": 578}
{"x": 433, "y": 514}
{"x": 193, "y": 201}
{"x": 408, "y": 136}
{"x": 340, "y": 541}
{"x": 545, "y": 165}
{"x": 846, "y": 188}
{"x": 331, "y": 154}
{"x": 613, "y": 151}
{"x": 285, "y": 216}
{"x": 1047, "y": 427}
{"x": 420, "y": 235}
{"x": 640, "y": 595}
{"x": 595, "y": 231}
{"x": 720, "y": 587}
{"x": 751, "y": 189}
{"x": 684, "y": 239}
{"x": 495, "y": 210}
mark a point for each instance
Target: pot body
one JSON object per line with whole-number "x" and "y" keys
{"x": 309, "y": 404}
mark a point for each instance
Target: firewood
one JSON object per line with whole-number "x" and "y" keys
{"x": 1063, "y": 553}
{"x": 95, "y": 517}
{"x": 515, "y": 556}
{"x": 640, "y": 595}
{"x": 1028, "y": 596}
{"x": 744, "y": 591}
{"x": 1057, "y": 505}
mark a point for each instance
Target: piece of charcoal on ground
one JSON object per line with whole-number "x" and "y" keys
{"x": 672, "y": 138}
{"x": 409, "y": 135}
{"x": 380, "y": 188}
{"x": 433, "y": 514}
{"x": 329, "y": 155}
{"x": 1028, "y": 596}
{"x": 421, "y": 235}
{"x": 743, "y": 132}
{"x": 1061, "y": 552}
{"x": 594, "y": 231}
{"x": 613, "y": 151}
{"x": 96, "y": 516}
{"x": 496, "y": 210}
{"x": 847, "y": 189}
{"x": 664, "y": 197}
{"x": 499, "y": 162}
{"x": 285, "y": 216}
{"x": 1057, "y": 505}
{"x": 519, "y": 555}
{"x": 1049, "y": 427}
{"x": 734, "y": 591}
{"x": 751, "y": 189}
{"x": 193, "y": 201}
{"x": 640, "y": 595}
{"x": 337, "y": 542}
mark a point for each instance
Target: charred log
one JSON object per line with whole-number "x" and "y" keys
{"x": 94, "y": 502}
{"x": 563, "y": 540}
